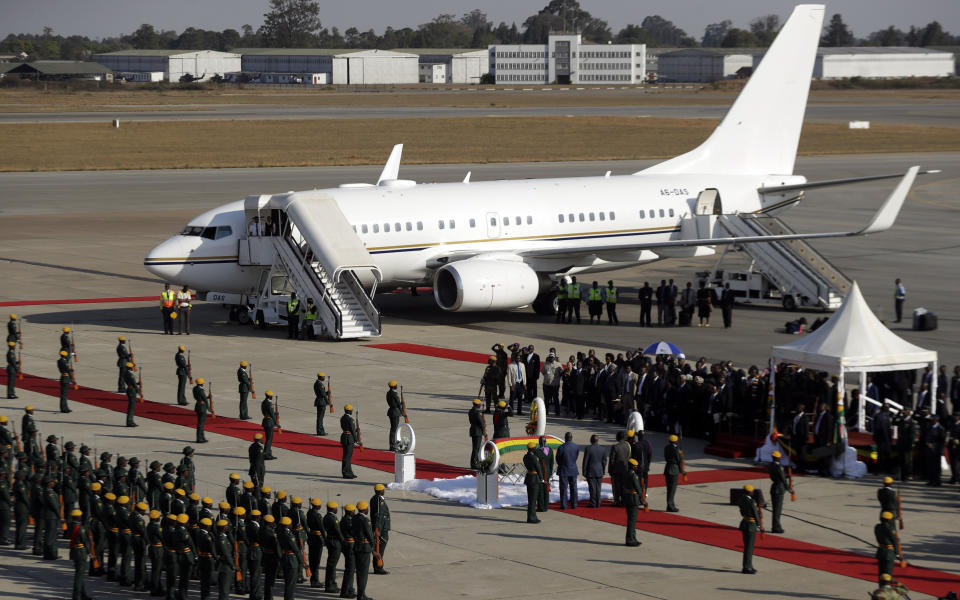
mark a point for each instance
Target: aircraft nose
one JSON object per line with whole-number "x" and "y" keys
{"x": 166, "y": 259}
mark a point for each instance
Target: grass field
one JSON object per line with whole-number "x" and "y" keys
{"x": 209, "y": 144}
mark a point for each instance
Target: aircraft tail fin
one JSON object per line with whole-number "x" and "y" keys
{"x": 760, "y": 132}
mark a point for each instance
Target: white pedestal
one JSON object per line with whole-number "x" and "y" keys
{"x": 404, "y": 468}
{"x": 488, "y": 488}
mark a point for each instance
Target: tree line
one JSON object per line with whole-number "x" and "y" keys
{"x": 297, "y": 24}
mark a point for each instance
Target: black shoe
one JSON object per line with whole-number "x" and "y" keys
{"x": 333, "y": 590}
{"x": 748, "y": 571}
{"x": 633, "y": 544}
{"x": 381, "y": 572}
{"x": 316, "y": 584}
{"x": 776, "y": 531}
{"x": 349, "y": 476}
{"x": 66, "y": 411}
{"x": 131, "y": 424}
{"x": 673, "y": 509}
{"x": 533, "y": 520}
{"x": 19, "y": 547}
{"x": 11, "y": 397}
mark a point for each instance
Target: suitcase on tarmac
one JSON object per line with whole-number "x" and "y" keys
{"x": 684, "y": 318}
{"x": 927, "y": 322}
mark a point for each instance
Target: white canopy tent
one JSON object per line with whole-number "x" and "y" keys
{"x": 853, "y": 340}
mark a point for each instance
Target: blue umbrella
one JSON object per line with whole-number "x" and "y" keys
{"x": 663, "y": 348}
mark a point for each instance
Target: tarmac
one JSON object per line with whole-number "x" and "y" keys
{"x": 83, "y": 235}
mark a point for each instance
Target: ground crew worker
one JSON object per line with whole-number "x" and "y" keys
{"x": 886, "y": 545}
{"x": 205, "y": 552}
{"x": 672, "y": 470}
{"x": 243, "y": 388}
{"x": 630, "y": 491}
{"x": 291, "y": 558}
{"x": 363, "y": 548}
{"x": 333, "y": 540}
{"x": 226, "y": 561}
{"x": 321, "y": 400}
{"x": 749, "y": 517}
{"x": 778, "y": 488}
{"x": 573, "y": 299}
{"x": 167, "y": 299}
{"x": 12, "y": 371}
{"x": 184, "y": 307}
{"x": 269, "y": 422}
{"x": 888, "y": 496}
{"x": 123, "y": 359}
{"x": 180, "y": 360}
{"x": 561, "y": 301}
{"x": 254, "y": 555}
{"x": 610, "y": 294}
{"x": 66, "y": 380}
{"x": 258, "y": 468}
{"x": 309, "y": 318}
{"x": 315, "y": 542}
{"x": 394, "y": 412}
{"x": 348, "y": 438}
{"x": 476, "y": 433}
{"x": 380, "y": 521}
{"x": 488, "y": 381}
{"x": 271, "y": 555}
{"x": 501, "y": 422}
{"x": 533, "y": 480}
{"x": 293, "y": 316}
{"x": 202, "y": 407}
{"x": 349, "y": 557}
{"x": 595, "y": 302}
{"x": 154, "y": 538}
{"x": 79, "y": 552}
{"x": 132, "y": 390}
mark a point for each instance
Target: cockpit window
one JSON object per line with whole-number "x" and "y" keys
{"x": 209, "y": 233}
{"x": 224, "y": 231}
{"x": 191, "y": 230}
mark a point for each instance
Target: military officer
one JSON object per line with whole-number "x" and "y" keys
{"x": 348, "y": 439}
{"x": 349, "y": 557}
{"x": 321, "y": 400}
{"x": 258, "y": 468}
{"x": 672, "y": 471}
{"x": 363, "y": 548}
{"x": 887, "y": 496}
{"x": 21, "y": 509}
{"x": 225, "y": 560}
{"x": 138, "y": 543}
{"x": 79, "y": 552}
{"x": 186, "y": 555}
{"x": 13, "y": 331}
{"x": 778, "y": 488}
{"x": 394, "y": 412}
{"x": 489, "y": 381}
{"x": 28, "y": 429}
{"x": 6, "y": 501}
{"x": 243, "y": 388}
{"x": 12, "y": 371}
{"x": 476, "y": 433}
{"x": 120, "y": 487}
{"x": 630, "y": 490}
{"x": 380, "y": 521}
{"x": 206, "y": 565}
{"x": 545, "y": 454}
{"x": 270, "y": 548}
{"x": 269, "y": 422}
{"x": 202, "y": 407}
{"x": 315, "y": 543}
{"x": 123, "y": 358}
{"x": 66, "y": 380}
{"x": 186, "y": 471}
{"x": 65, "y": 340}
{"x": 124, "y": 539}
{"x": 291, "y": 558}
{"x": 533, "y": 480}
{"x": 154, "y": 539}
{"x": 180, "y": 359}
{"x": 907, "y": 440}
{"x": 886, "y": 544}
{"x": 501, "y": 421}
{"x": 173, "y": 545}
{"x": 254, "y": 554}
{"x": 749, "y": 517}
{"x": 132, "y": 389}
{"x": 333, "y": 540}
{"x": 51, "y": 519}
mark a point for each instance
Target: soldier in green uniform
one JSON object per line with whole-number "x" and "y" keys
{"x": 138, "y": 543}
{"x": 186, "y": 554}
{"x": 630, "y": 491}
{"x": 279, "y": 508}
{"x": 321, "y": 400}
{"x": 243, "y": 387}
{"x": 906, "y": 442}
{"x": 166, "y": 498}
{"x": 545, "y": 453}
{"x": 349, "y": 557}
{"x": 13, "y": 331}
{"x": 232, "y": 492}
{"x": 51, "y": 519}
{"x": 21, "y": 509}
{"x": 501, "y": 421}
{"x": 778, "y": 488}
{"x": 488, "y": 381}
{"x": 186, "y": 471}
{"x": 363, "y": 548}
{"x": 672, "y": 470}
{"x": 380, "y": 521}
{"x": 171, "y": 541}
{"x": 79, "y": 553}
{"x": 291, "y": 558}
{"x": 12, "y": 371}
{"x": 202, "y": 407}
{"x": 108, "y": 514}
{"x": 749, "y": 517}
{"x": 136, "y": 483}
{"x": 28, "y": 429}
{"x": 154, "y": 538}
{"x": 105, "y": 472}
{"x": 178, "y": 505}
{"x": 533, "y": 480}
{"x": 269, "y": 422}
{"x": 333, "y": 540}
{"x": 238, "y": 526}
{"x": 476, "y": 433}
{"x": 886, "y": 545}
{"x": 6, "y": 500}
{"x": 65, "y": 340}
{"x": 206, "y": 564}
{"x": 314, "y": 527}
{"x": 299, "y": 533}
{"x": 169, "y": 473}
{"x": 271, "y": 555}
{"x": 247, "y": 499}
{"x": 66, "y": 381}
{"x": 98, "y": 528}
{"x": 154, "y": 484}
{"x": 120, "y": 487}
{"x": 258, "y": 467}
{"x": 348, "y": 439}
{"x": 123, "y": 357}
{"x": 394, "y": 412}
{"x": 254, "y": 555}
{"x": 132, "y": 391}
{"x": 124, "y": 539}
{"x": 226, "y": 562}
{"x": 888, "y": 497}
{"x": 180, "y": 360}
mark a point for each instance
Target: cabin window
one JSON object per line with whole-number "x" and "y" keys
{"x": 643, "y": 214}
{"x": 440, "y": 223}
{"x": 581, "y": 217}
{"x": 602, "y": 216}
{"x": 363, "y": 228}
{"x": 506, "y": 221}
{"x": 570, "y": 217}
{"x": 473, "y": 223}
{"x": 661, "y": 213}
{"x": 518, "y": 220}
{"x": 419, "y": 225}
{"x": 188, "y": 230}
{"x": 560, "y": 218}
{"x": 386, "y": 227}
{"x": 671, "y": 212}
{"x": 376, "y": 228}
{"x": 592, "y": 217}
{"x": 453, "y": 224}
{"x": 613, "y": 216}
{"x": 409, "y": 226}
{"x": 651, "y": 213}
{"x": 396, "y": 227}
{"x": 493, "y": 221}
{"x": 529, "y": 220}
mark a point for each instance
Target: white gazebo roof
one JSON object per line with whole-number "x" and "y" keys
{"x": 854, "y": 339}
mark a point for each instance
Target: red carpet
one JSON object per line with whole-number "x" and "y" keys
{"x": 78, "y": 301}
{"x": 328, "y": 447}
{"x": 776, "y": 547}
{"x": 657, "y": 480}
{"x": 461, "y": 355}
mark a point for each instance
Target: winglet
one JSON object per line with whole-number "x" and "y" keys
{"x": 887, "y": 214}
{"x": 391, "y": 170}
{"x": 467, "y": 178}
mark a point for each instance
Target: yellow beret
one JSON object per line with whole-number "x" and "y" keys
{"x": 142, "y": 506}
{"x": 492, "y": 357}
{"x": 476, "y": 401}
{"x": 348, "y": 407}
{"x": 362, "y": 505}
{"x": 222, "y": 523}
{"x": 748, "y": 488}
{"x": 888, "y": 479}
{"x": 243, "y": 363}
{"x": 66, "y": 330}
{"x": 13, "y": 315}
{"x": 3, "y": 418}
{"x": 234, "y": 476}
{"x": 258, "y": 436}
{"x": 673, "y": 438}
{"x": 332, "y": 505}
{"x": 110, "y": 496}
{"x": 121, "y": 339}
{"x": 316, "y": 502}
{"x": 255, "y": 513}
{"x": 155, "y": 514}
{"x": 350, "y": 508}
{"x": 76, "y": 513}
{"x": 266, "y": 489}
{"x": 183, "y": 518}
{"x": 321, "y": 374}
{"x": 63, "y": 353}
{"x": 11, "y": 344}
{"x": 207, "y": 500}
{"x": 379, "y": 487}
{"x": 531, "y": 445}
{"x": 268, "y": 518}
{"x": 200, "y": 380}
{"x": 129, "y": 364}
{"x": 886, "y": 577}
{"x": 392, "y": 383}
{"x": 633, "y": 462}
{"x": 239, "y": 511}
{"x": 269, "y": 393}
{"x": 168, "y": 485}
{"x": 172, "y": 517}
{"x": 248, "y": 485}
{"x": 194, "y": 496}
{"x": 95, "y": 486}
{"x": 776, "y": 454}
{"x": 886, "y": 515}
{"x": 296, "y": 500}
{"x": 286, "y": 521}
{"x": 180, "y": 492}
{"x": 502, "y": 404}
{"x": 28, "y": 408}
{"x": 206, "y": 521}
{"x": 631, "y": 433}
{"x": 224, "y": 505}
{"x": 281, "y": 494}
{"x": 181, "y": 348}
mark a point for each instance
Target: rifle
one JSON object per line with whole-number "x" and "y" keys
{"x": 276, "y": 409}
{"x": 306, "y": 566}
{"x": 483, "y": 420}
{"x": 643, "y": 486}
{"x": 330, "y": 392}
{"x": 189, "y": 368}
{"x": 376, "y": 548}
{"x": 20, "y": 365}
{"x": 132, "y": 359}
{"x": 793, "y": 494}
{"x": 16, "y": 438}
{"x": 253, "y": 392}
{"x": 139, "y": 382}
{"x": 73, "y": 378}
{"x": 899, "y": 507}
{"x": 93, "y": 552}
{"x": 236, "y": 562}
{"x": 763, "y": 534}
{"x": 73, "y": 348}
{"x": 359, "y": 435}
{"x": 213, "y": 411}
{"x": 403, "y": 406}
{"x": 683, "y": 465}
{"x": 903, "y": 561}
{"x": 20, "y": 332}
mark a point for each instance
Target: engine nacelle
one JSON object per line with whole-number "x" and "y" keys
{"x": 470, "y": 285}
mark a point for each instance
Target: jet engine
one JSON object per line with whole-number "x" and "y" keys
{"x": 484, "y": 284}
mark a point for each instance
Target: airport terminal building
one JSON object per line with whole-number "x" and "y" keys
{"x": 566, "y": 59}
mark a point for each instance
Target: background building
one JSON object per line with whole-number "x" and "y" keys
{"x": 57, "y": 69}
{"x": 702, "y": 64}
{"x": 566, "y": 59}
{"x": 174, "y": 64}
{"x": 882, "y": 62}
{"x": 345, "y": 67}
{"x": 451, "y": 66}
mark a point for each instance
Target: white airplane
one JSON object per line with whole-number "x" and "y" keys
{"x": 502, "y": 244}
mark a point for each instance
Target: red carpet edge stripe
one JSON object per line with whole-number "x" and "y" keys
{"x": 776, "y": 547}
{"x": 78, "y": 301}
{"x": 288, "y": 440}
{"x": 461, "y": 355}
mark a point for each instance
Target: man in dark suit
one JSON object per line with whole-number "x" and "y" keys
{"x": 823, "y": 438}
{"x": 567, "y": 471}
{"x": 593, "y": 467}
{"x": 661, "y": 296}
{"x": 646, "y": 303}
{"x": 799, "y": 435}
{"x": 532, "y": 372}
{"x": 642, "y": 451}
{"x": 935, "y": 440}
{"x": 619, "y": 455}
{"x": 882, "y": 437}
{"x": 726, "y": 305}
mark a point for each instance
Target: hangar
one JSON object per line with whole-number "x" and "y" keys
{"x": 567, "y": 59}
{"x": 702, "y": 64}
{"x": 340, "y": 66}
{"x": 457, "y": 65}
{"x": 174, "y": 64}
{"x": 882, "y": 62}
{"x": 57, "y": 69}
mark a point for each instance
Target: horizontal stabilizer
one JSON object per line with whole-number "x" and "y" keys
{"x": 833, "y": 182}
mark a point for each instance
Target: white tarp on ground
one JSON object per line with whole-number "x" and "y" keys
{"x": 463, "y": 489}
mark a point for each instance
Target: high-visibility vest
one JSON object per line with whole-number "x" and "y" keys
{"x": 292, "y": 306}
{"x": 166, "y": 298}
{"x": 611, "y": 295}
{"x": 573, "y": 291}
{"x": 594, "y": 295}
{"x": 183, "y": 299}
{"x": 311, "y": 313}
{"x": 900, "y": 292}
{"x": 562, "y": 293}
